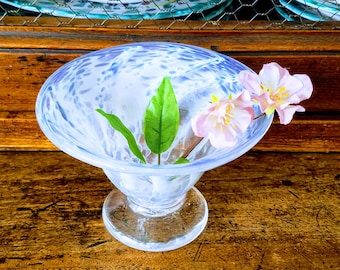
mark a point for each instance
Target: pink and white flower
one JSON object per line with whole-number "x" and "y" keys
{"x": 275, "y": 89}
{"x": 224, "y": 120}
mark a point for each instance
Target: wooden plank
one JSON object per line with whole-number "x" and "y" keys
{"x": 25, "y": 65}
{"x": 267, "y": 211}
{"x": 22, "y": 75}
{"x": 92, "y": 38}
{"x": 303, "y": 134}
{"x": 23, "y": 72}
{"x": 20, "y": 131}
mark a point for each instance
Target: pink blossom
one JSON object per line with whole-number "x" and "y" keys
{"x": 275, "y": 89}
{"x": 224, "y": 120}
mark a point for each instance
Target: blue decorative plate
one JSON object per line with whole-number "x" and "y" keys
{"x": 123, "y": 9}
{"x": 283, "y": 14}
{"x": 313, "y": 10}
{"x": 328, "y": 9}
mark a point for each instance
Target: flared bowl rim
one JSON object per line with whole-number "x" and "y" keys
{"x": 209, "y": 162}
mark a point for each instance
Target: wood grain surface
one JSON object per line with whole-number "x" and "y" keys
{"x": 267, "y": 211}
{"x": 276, "y": 207}
{"x": 24, "y": 70}
{"x": 20, "y": 131}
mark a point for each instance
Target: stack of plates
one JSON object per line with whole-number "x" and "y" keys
{"x": 314, "y": 10}
{"x": 122, "y": 9}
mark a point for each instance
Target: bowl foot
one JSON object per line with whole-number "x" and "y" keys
{"x": 159, "y": 233}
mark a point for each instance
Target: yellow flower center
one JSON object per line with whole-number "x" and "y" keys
{"x": 228, "y": 115}
{"x": 279, "y": 95}
{"x": 264, "y": 89}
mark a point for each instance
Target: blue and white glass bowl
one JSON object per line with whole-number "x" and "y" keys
{"x": 155, "y": 207}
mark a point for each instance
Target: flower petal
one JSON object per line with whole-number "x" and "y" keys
{"x": 224, "y": 120}
{"x": 271, "y": 75}
{"x": 286, "y": 115}
{"x": 198, "y": 125}
{"x": 221, "y": 139}
{"x": 250, "y": 81}
{"x": 279, "y": 90}
{"x": 307, "y": 89}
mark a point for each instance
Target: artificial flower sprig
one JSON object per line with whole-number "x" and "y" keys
{"x": 273, "y": 89}
{"x": 276, "y": 90}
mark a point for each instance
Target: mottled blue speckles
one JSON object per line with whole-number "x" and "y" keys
{"x": 135, "y": 65}
{"x": 88, "y": 105}
{"x": 71, "y": 90}
{"x": 99, "y": 65}
{"x": 105, "y": 56}
{"x": 113, "y": 69}
{"x": 84, "y": 65}
{"x": 121, "y": 80}
{"x": 63, "y": 113}
{"x": 99, "y": 97}
{"x": 82, "y": 92}
{"x": 125, "y": 107}
{"x": 47, "y": 102}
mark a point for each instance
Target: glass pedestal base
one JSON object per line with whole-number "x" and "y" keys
{"x": 140, "y": 230}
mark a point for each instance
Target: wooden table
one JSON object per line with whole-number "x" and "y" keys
{"x": 277, "y": 207}
{"x": 267, "y": 211}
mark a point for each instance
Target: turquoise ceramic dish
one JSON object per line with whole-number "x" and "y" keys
{"x": 125, "y": 9}
{"x": 313, "y": 10}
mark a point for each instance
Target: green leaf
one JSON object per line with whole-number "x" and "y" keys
{"x": 161, "y": 118}
{"x": 118, "y": 125}
{"x": 182, "y": 160}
